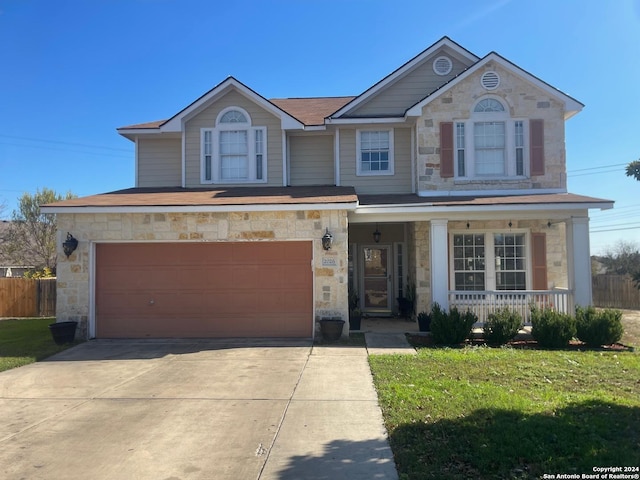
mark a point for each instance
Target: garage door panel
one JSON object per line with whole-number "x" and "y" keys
{"x": 204, "y": 290}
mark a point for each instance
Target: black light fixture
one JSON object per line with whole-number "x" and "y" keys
{"x": 377, "y": 235}
{"x": 327, "y": 239}
{"x": 69, "y": 245}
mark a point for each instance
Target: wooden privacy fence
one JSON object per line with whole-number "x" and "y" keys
{"x": 615, "y": 291}
{"x": 27, "y": 297}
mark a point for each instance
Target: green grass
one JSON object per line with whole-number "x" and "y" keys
{"x": 24, "y": 341}
{"x": 509, "y": 413}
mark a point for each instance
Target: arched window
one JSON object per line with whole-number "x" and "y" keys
{"x": 233, "y": 151}
{"x": 490, "y": 144}
{"x": 488, "y": 105}
{"x": 233, "y": 116}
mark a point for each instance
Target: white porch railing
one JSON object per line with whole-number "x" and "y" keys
{"x": 482, "y": 303}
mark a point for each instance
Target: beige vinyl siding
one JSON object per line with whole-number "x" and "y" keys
{"x": 159, "y": 162}
{"x": 311, "y": 160}
{"x": 407, "y": 91}
{"x": 259, "y": 118}
{"x": 399, "y": 182}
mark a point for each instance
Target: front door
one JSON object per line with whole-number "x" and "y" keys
{"x": 376, "y": 278}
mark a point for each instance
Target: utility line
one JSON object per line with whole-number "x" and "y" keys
{"x": 65, "y": 143}
{"x": 45, "y": 147}
{"x": 595, "y": 168}
{"x": 614, "y": 229}
{"x": 615, "y": 170}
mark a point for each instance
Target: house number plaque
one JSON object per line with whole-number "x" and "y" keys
{"x": 329, "y": 262}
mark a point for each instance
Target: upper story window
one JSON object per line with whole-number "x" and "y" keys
{"x": 375, "y": 152}
{"x": 490, "y": 144}
{"x": 234, "y": 151}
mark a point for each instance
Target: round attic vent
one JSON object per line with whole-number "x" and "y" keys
{"x": 442, "y": 65}
{"x": 490, "y": 80}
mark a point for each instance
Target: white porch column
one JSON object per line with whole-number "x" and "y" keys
{"x": 439, "y": 263}
{"x": 579, "y": 260}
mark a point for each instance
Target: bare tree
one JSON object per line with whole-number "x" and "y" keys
{"x": 31, "y": 237}
{"x": 623, "y": 258}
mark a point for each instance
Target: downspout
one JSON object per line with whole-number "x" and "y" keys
{"x": 413, "y": 159}
{"x": 137, "y": 166}
{"x": 285, "y": 156}
{"x": 184, "y": 157}
{"x": 336, "y": 154}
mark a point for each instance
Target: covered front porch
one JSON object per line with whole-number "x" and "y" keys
{"x": 480, "y": 258}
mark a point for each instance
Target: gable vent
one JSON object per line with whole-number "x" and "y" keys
{"x": 442, "y": 65}
{"x": 490, "y": 80}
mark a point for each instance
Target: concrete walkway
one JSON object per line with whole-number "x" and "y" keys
{"x": 388, "y": 343}
{"x": 262, "y": 410}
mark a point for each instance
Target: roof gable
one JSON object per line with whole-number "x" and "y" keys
{"x": 174, "y": 124}
{"x": 419, "y": 67}
{"x": 571, "y": 105}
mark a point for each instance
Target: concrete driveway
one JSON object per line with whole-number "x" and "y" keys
{"x": 194, "y": 410}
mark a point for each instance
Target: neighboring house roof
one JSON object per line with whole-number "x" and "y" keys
{"x": 201, "y": 199}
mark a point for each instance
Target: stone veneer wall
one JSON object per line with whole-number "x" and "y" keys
{"x": 74, "y": 279}
{"x": 420, "y": 264}
{"x": 556, "y": 243}
{"x": 523, "y": 100}
{"x": 419, "y": 260}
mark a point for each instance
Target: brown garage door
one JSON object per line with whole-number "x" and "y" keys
{"x": 204, "y": 290}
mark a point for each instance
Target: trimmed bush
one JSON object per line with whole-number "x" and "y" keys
{"x": 451, "y": 328}
{"x": 501, "y": 326}
{"x": 597, "y": 328}
{"x": 552, "y": 329}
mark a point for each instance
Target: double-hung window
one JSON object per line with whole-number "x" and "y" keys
{"x": 490, "y": 261}
{"x": 490, "y": 144}
{"x": 234, "y": 151}
{"x": 375, "y": 152}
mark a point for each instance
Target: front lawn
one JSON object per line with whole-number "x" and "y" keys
{"x": 26, "y": 340}
{"x": 509, "y": 413}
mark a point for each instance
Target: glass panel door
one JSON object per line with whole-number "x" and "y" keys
{"x": 376, "y": 278}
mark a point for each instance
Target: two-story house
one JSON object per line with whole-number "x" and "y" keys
{"x": 447, "y": 178}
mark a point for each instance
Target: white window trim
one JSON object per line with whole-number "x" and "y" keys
{"x": 215, "y": 155}
{"x": 489, "y": 257}
{"x": 510, "y": 143}
{"x": 359, "y": 171}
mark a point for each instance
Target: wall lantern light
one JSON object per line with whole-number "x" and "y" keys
{"x": 69, "y": 245}
{"x": 377, "y": 235}
{"x": 327, "y": 239}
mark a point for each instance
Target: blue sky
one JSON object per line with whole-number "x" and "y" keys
{"x": 71, "y": 72}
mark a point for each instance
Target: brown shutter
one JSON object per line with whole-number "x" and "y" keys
{"x": 446, "y": 149}
{"x": 536, "y": 146}
{"x": 539, "y": 260}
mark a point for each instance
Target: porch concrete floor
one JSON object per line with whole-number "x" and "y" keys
{"x": 388, "y": 325}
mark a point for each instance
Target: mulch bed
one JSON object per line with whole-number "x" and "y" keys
{"x": 574, "y": 345}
